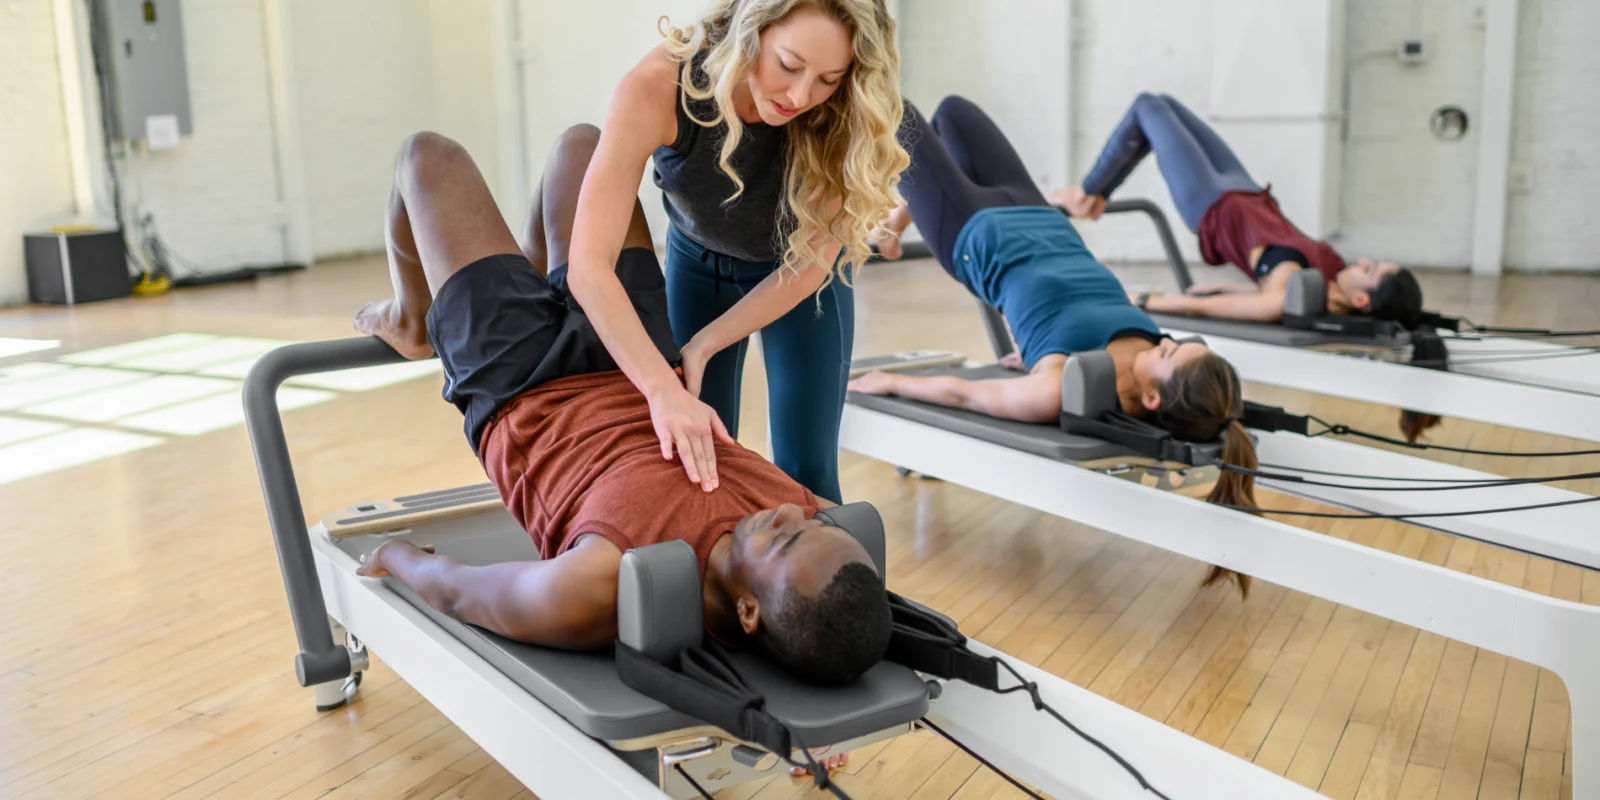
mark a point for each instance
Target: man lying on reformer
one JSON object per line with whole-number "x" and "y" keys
{"x": 568, "y": 439}
{"x": 1237, "y": 221}
{"x": 993, "y": 231}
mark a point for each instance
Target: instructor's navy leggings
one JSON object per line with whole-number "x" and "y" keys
{"x": 1197, "y": 165}
{"x": 807, "y": 354}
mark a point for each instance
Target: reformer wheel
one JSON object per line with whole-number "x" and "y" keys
{"x": 336, "y": 694}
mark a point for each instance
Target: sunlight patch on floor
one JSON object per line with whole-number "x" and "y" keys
{"x": 179, "y": 384}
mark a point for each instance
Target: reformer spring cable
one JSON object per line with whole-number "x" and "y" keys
{"x": 1531, "y": 333}
{"x": 1427, "y": 515}
{"x": 1455, "y": 485}
{"x": 1346, "y": 430}
{"x": 1309, "y": 471}
{"x": 697, "y": 787}
{"x": 1503, "y": 357}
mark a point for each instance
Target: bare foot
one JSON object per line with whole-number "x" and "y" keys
{"x": 1078, "y": 204}
{"x": 385, "y": 320}
{"x": 830, "y": 763}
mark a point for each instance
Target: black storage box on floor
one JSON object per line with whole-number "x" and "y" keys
{"x": 66, "y": 269}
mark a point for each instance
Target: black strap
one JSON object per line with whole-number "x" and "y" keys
{"x": 929, "y": 643}
{"x": 1141, "y": 437}
{"x": 1274, "y": 418}
{"x": 1437, "y": 321}
{"x": 705, "y": 687}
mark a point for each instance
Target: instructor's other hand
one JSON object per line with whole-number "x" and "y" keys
{"x": 691, "y": 428}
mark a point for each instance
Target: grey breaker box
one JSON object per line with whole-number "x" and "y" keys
{"x": 139, "y": 44}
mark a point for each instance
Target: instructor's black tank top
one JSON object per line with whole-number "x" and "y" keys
{"x": 695, "y": 187}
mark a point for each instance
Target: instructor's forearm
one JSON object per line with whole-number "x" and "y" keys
{"x": 607, "y": 305}
{"x": 776, "y": 295}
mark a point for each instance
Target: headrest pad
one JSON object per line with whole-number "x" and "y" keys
{"x": 1306, "y": 294}
{"x": 660, "y": 608}
{"x": 862, "y": 521}
{"x": 1089, "y": 384}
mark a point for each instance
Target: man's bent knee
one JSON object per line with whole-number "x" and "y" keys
{"x": 429, "y": 146}
{"x": 577, "y": 142}
{"x": 422, "y": 153}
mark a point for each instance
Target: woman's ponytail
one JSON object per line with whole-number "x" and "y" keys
{"x": 1234, "y": 489}
{"x": 1427, "y": 351}
{"x": 1200, "y": 403}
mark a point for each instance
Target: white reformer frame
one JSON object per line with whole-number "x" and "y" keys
{"x": 1449, "y": 394}
{"x": 557, "y": 761}
{"x": 1561, "y": 636}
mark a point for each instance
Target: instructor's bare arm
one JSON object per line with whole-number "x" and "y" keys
{"x": 641, "y": 118}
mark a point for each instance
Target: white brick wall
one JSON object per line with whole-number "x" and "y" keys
{"x": 1554, "y": 216}
{"x": 35, "y": 175}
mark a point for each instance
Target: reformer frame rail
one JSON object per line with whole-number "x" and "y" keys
{"x": 1558, "y": 635}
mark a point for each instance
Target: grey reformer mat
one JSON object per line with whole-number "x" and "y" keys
{"x": 1034, "y": 438}
{"x": 1272, "y": 333}
{"x": 1029, "y": 437}
{"x": 584, "y": 688}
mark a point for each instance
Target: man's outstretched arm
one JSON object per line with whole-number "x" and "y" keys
{"x": 567, "y": 602}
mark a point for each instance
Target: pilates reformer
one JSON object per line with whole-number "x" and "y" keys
{"x": 1363, "y": 359}
{"x": 1109, "y": 486}
{"x": 573, "y": 725}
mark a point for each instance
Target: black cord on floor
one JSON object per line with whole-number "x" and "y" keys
{"x": 981, "y": 760}
{"x": 1346, "y": 430}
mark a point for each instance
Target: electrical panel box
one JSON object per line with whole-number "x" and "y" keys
{"x": 139, "y": 47}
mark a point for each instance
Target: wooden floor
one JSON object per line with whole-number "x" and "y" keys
{"x": 146, "y": 650}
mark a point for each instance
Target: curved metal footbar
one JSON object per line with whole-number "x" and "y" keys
{"x": 320, "y": 659}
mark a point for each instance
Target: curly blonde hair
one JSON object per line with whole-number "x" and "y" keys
{"x": 844, "y": 152}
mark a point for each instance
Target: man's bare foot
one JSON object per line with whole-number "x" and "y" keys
{"x": 830, "y": 763}
{"x": 386, "y": 320}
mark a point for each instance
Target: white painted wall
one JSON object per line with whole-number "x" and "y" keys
{"x": 369, "y": 73}
{"x": 1057, "y": 75}
{"x": 949, "y": 47}
{"x": 1409, "y": 197}
{"x": 1118, "y": 53}
{"x": 1553, "y": 217}
{"x": 36, "y": 190}
{"x": 573, "y": 55}
{"x": 364, "y": 81}
{"x": 1394, "y": 191}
